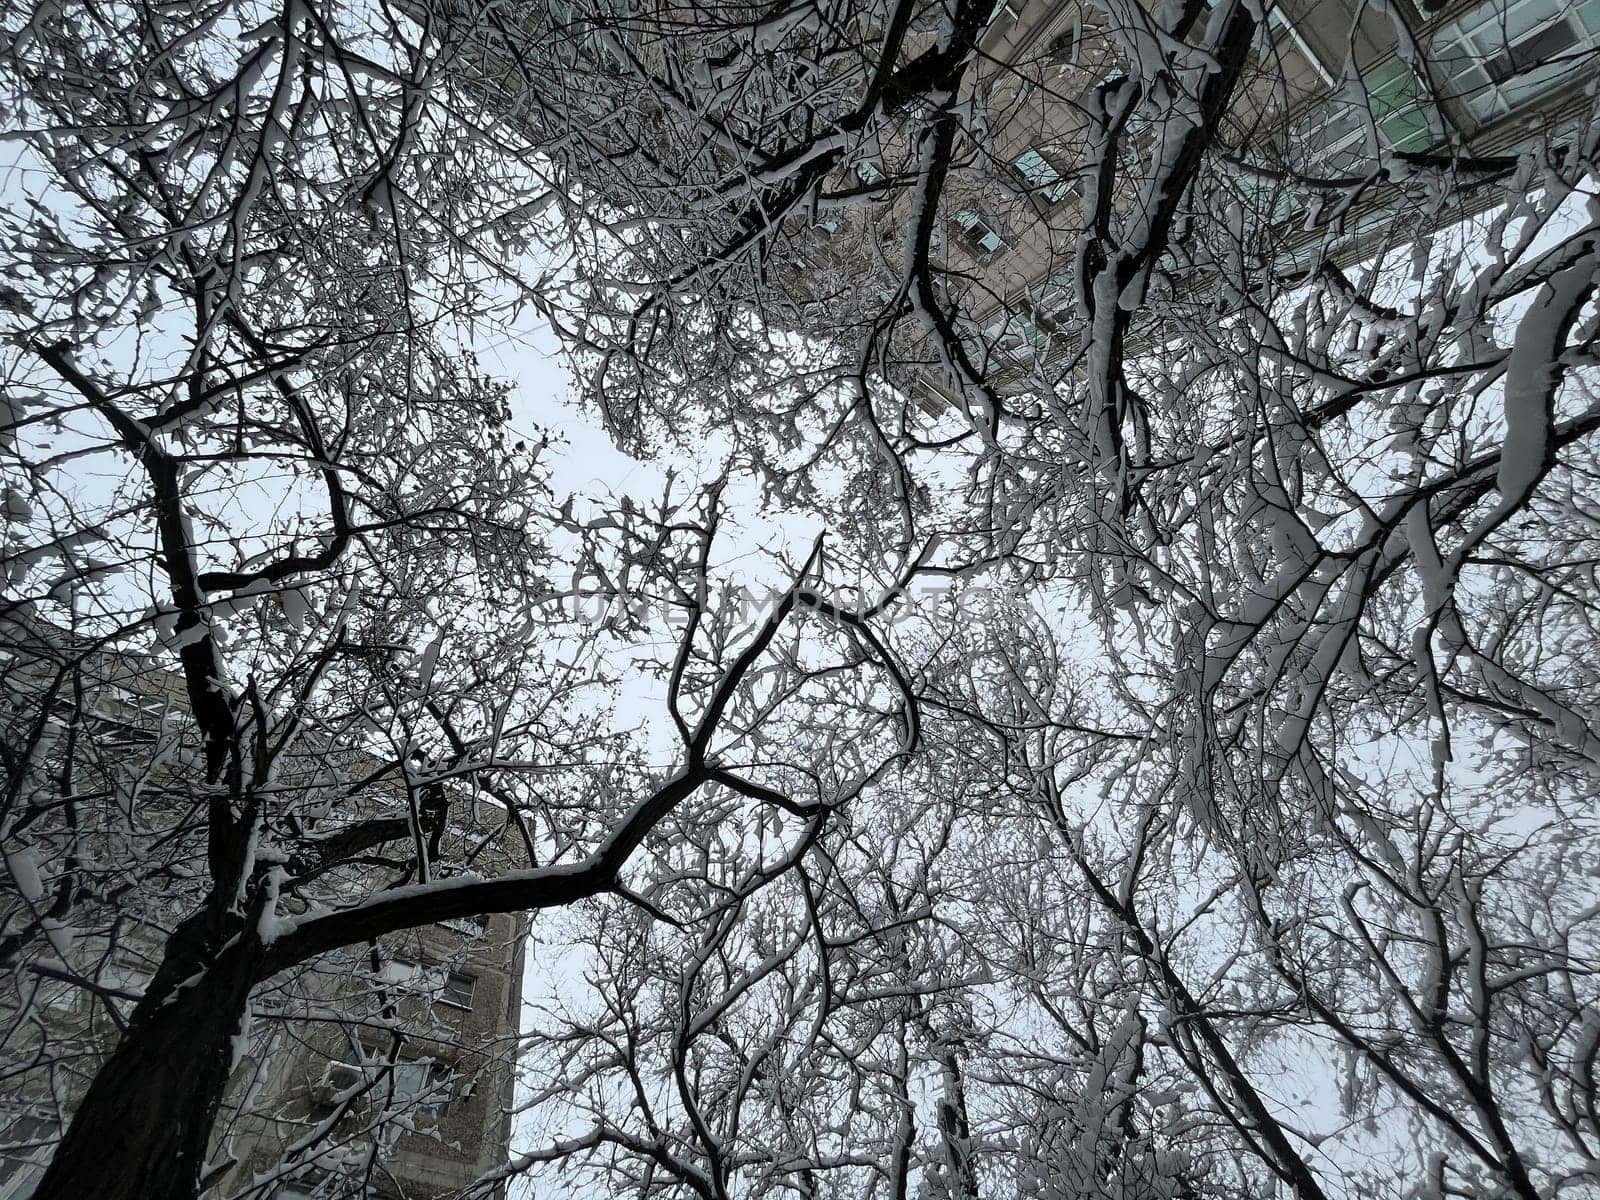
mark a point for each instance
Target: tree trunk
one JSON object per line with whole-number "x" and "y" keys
{"x": 142, "y": 1130}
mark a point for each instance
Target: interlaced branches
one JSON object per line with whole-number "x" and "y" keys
{"x": 1255, "y": 359}
{"x": 1220, "y": 829}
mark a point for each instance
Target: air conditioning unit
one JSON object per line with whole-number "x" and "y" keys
{"x": 472, "y": 927}
{"x": 337, "y": 1079}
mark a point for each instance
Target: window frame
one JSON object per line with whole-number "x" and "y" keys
{"x": 968, "y": 221}
{"x": 434, "y": 1075}
{"x": 1466, "y": 45}
{"x": 447, "y": 996}
{"x": 1044, "y": 182}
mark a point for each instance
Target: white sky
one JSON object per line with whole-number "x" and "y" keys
{"x": 543, "y": 396}
{"x": 582, "y": 461}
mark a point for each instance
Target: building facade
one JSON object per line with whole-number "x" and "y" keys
{"x": 429, "y": 1044}
{"x": 385, "y": 1072}
{"x": 1333, "y": 92}
{"x": 1339, "y": 99}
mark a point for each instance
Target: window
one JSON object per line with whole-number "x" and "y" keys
{"x": 419, "y": 1081}
{"x": 1264, "y": 195}
{"x": 1052, "y": 295}
{"x": 1333, "y": 137}
{"x": 1533, "y": 51}
{"x": 1025, "y": 336}
{"x": 403, "y": 973}
{"x": 24, "y": 1150}
{"x": 1502, "y": 54}
{"x": 119, "y": 704}
{"x": 423, "y": 1082}
{"x": 1280, "y": 27}
{"x": 1062, "y": 49}
{"x": 410, "y": 1079}
{"x": 1335, "y": 134}
{"x": 437, "y": 983}
{"x": 1014, "y": 337}
{"x": 458, "y": 988}
{"x": 1044, "y": 181}
{"x": 1399, "y": 108}
{"x": 978, "y": 235}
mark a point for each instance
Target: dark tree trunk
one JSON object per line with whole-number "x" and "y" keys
{"x": 142, "y": 1130}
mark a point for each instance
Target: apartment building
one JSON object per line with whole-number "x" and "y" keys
{"x": 1335, "y": 90}
{"x": 1481, "y": 78}
{"x": 385, "y": 1072}
{"x": 432, "y": 1044}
